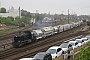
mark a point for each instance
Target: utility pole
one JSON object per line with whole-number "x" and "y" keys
{"x": 19, "y": 12}
{"x": 68, "y": 16}
{"x": 19, "y": 15}
{"x": 0, "y": 4}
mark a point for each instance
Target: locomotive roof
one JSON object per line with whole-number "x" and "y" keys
{"x": 20, "y": 35}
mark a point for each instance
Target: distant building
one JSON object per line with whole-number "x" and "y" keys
{"x": 62, "y": 16}
{"x": 23, "y": 12}
{"x": 47, "y": 19}
{"x": 11, "y": 12}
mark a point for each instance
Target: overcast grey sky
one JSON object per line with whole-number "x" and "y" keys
{"x": 54, "y": 6}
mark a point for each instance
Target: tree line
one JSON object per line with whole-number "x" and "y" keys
{"x": 2, "y": 10}
{"x": 11, "y": 21}
{"x": 26, "y": 18}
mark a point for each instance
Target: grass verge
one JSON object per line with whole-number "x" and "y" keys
{"x": 7, "y": 31}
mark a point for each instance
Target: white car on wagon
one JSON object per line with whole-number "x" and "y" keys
{"x": 55, "y": 51}
{"x": 74, "y": 44}
{"x": 85, "y": 40}
{"x": 88, "y": 37}
{"x": 80, "y": 42}
{"x": 67, "y": 49}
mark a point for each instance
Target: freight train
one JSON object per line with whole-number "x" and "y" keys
{"x": 30, "y": 36}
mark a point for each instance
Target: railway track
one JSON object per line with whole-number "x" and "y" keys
{"x": 13, "y": 51}
{"x": 6, "y": 41}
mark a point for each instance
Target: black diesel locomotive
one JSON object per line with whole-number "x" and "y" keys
{"x": 23, "y": 39}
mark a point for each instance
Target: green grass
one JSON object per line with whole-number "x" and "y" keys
{"x": 7, "y": 31}
{"x": 89, "y": 31}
